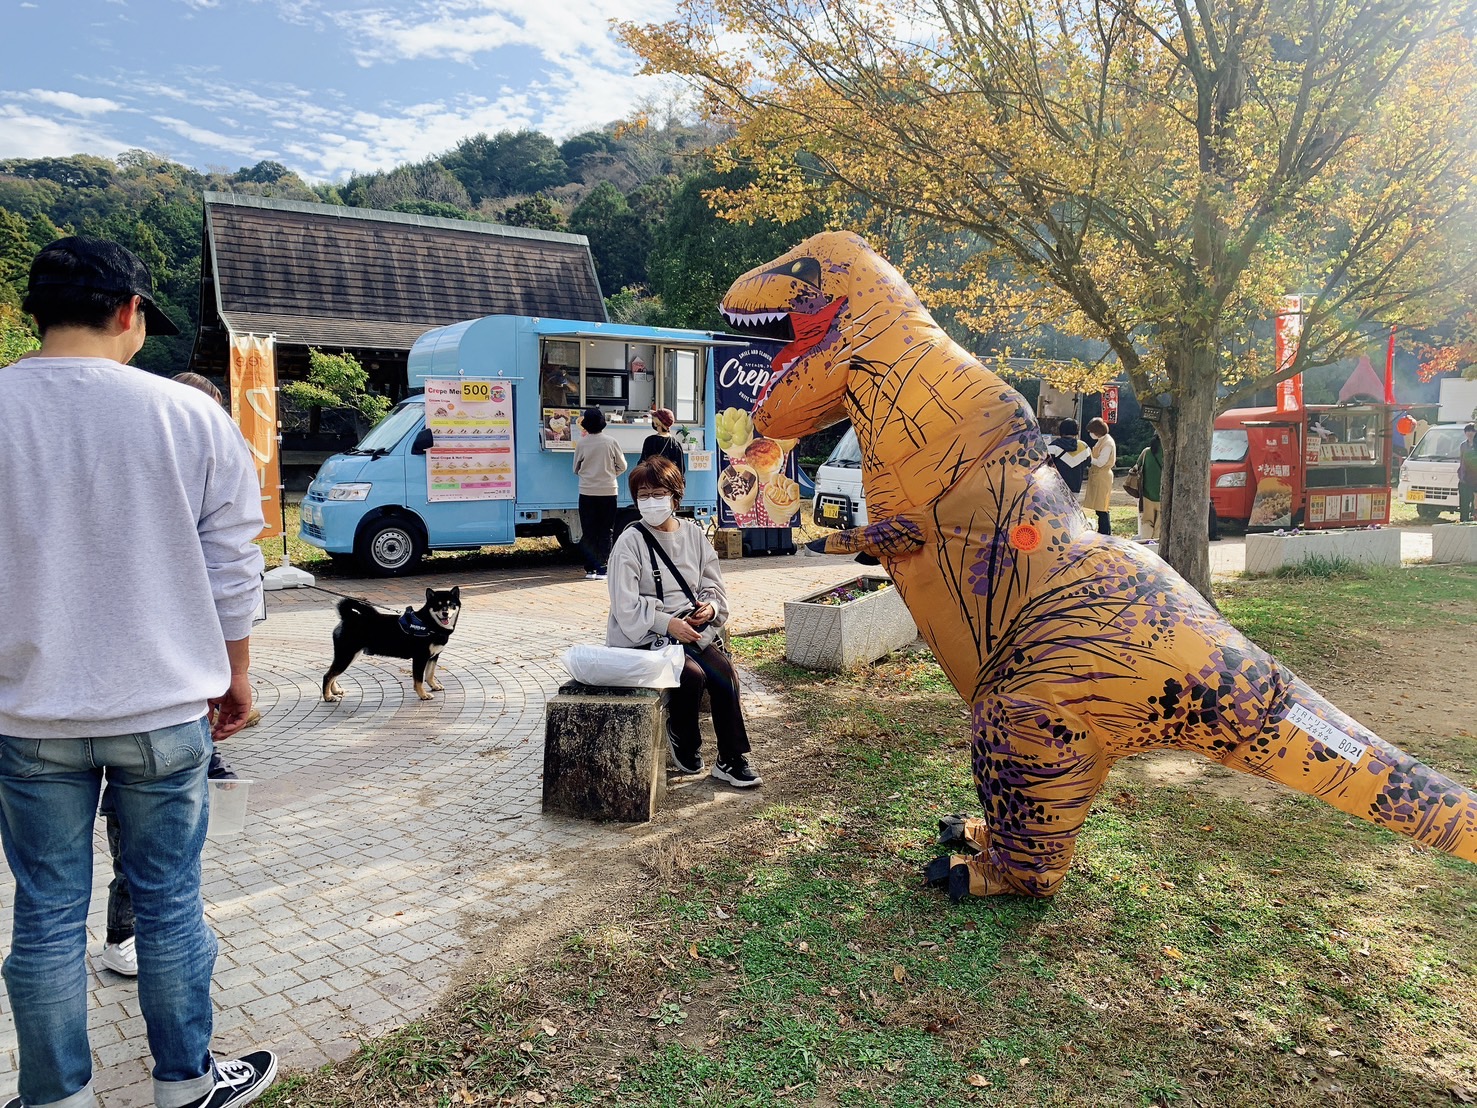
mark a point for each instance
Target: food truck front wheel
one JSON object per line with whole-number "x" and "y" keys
{"x": 390, "y": 546}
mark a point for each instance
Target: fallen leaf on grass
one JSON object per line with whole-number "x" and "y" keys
{"x": 534, "y": 1098}
{"x": 526, "y": 1047}
{"x": 549, "y": 1029}
{"x": 692, "y": 950}
{"x": 1461, "y": 1095}
{"x": 899, "y": 974}
{"x": 1173, "y": 952}
{"x": 978, "y": 1080}
{"x": 1024, "y": 1062}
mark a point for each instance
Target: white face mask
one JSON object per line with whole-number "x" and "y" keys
{"x": 655, "y": 511}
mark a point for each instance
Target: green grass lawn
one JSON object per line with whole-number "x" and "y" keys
{"x": 1201, "y": 952}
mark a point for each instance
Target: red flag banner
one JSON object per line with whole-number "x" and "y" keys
{"x": 1390, "y": 368}
{"x": 1289, "y": 329}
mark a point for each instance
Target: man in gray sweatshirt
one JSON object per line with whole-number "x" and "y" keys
{"x": 128, "y": 506}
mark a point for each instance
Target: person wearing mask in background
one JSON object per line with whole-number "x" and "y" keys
{"x": 1151, "y": 461}
{"x": 598, "y": 461}
{"x": 1070, "y": 455}
{"x": 662, "y": 444}
{"x": 146, "y": 517}
{"x": 1466, "y": 473}
{"x": 665, "y": 586}
{"x": 1099, "y": 488}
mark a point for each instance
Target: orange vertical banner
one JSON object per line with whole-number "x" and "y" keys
{"x": 254, "y": 407}
{"x": 1289, "y": 331}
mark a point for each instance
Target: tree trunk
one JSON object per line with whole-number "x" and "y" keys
{"x": 1185, "y": 431}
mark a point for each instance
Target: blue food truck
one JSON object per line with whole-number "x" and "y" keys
{"x": 480, "y": 452}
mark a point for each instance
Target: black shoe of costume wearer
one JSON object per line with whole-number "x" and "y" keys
{"x": 684, "y": 764}
{"x": 240, "y": 1081}
{"x": 737, "y": 773}
{"x": 951, "y": 831}
{"x": 942, "y": 873}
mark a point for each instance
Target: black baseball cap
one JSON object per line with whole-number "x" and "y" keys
{"x": 84, "y": 263}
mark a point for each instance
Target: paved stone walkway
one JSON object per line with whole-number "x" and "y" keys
{"x": 386, "y": 834}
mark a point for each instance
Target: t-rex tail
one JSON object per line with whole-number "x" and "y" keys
{"x": 1316, "y": 749}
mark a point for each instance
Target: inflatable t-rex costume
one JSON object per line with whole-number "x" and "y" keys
{"x": 1074, "y": 649}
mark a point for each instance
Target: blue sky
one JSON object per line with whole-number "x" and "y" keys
{"x": 327, "y": 87}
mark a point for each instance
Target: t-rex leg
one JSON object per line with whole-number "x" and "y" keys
{"x": 1314, "y": 748}
{"x": 1036, "y": 780}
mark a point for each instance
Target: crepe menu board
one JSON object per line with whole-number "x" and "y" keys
{"x": 471, "y": 423}
{"x": 757, "y": 484}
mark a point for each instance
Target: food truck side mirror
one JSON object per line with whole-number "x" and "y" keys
{"x": 424, "y": 440}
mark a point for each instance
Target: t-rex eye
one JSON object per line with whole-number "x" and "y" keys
{"x": 801, "y": 269}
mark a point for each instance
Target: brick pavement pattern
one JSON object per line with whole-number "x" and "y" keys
{"x": 385, "y": 834}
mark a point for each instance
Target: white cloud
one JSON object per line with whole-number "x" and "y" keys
{"x": 565, "y": 32}
{"x": 236, "y": 144}
{"x": 24, "y": 135}
{"x": 71, "y": 102}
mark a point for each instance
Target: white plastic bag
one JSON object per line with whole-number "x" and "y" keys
{"x": 625, "y": 667}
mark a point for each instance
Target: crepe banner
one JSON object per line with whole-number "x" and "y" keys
{"x": 757, "y": 485}
{"x": 471, "y": 423}
{"x": 254, "y": 406}
{"x": 1073, "y": 649}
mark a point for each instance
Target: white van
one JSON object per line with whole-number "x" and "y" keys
{"x": 1428, "y": 477}
{"x": 839, "y": 498}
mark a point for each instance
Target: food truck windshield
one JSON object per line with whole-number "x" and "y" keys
{"x": 626, "y": 380}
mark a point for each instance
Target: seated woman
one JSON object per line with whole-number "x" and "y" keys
{"x": 665, "y": 586}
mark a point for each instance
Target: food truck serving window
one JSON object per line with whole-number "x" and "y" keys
{"x": 682, "y": 383}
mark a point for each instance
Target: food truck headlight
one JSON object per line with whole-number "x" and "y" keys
{"x": 356, "y": 491}
{"x": 1231, "y": 480}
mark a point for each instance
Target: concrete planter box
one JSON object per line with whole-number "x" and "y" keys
{"x": 1454, "y": 542}
{"x": 1269, "y": 553}
{"x": 838, "y": 636}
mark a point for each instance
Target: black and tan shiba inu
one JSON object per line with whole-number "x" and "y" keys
{"x": 417, "y": 635}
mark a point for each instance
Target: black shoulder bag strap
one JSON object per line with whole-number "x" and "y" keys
{"x": 656, "y": 573}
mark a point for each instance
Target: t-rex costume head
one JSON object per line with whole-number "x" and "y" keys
{"x": 1075, "y": 649}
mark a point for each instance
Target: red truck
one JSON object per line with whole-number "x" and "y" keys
{"x": 1324, "y": 466}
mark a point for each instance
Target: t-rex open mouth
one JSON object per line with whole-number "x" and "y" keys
{"x": 804, "y": 331}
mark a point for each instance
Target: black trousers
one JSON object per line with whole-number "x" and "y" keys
{"x": 711, "y": 670}
{"x": 1464, "y": 501}
{"x": 597, "y": 526}
{"x": 1104, "y": 524}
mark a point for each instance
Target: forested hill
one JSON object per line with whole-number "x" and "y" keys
{"x": 634, "y": 190}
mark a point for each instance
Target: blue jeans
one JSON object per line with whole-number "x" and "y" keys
{"x": 48, "y": 803}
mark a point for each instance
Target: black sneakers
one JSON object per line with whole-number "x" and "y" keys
{"x": 240, "y": 1081}
{"x": 689, "y": 764}
{"x": 738, "y": 773}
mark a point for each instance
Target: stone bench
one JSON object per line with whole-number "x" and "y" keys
{"x": 1454, "y": 543}
{"x": 605, "y": 752}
